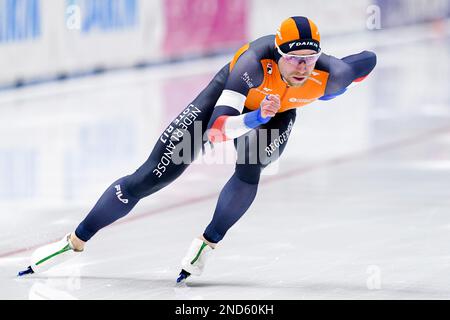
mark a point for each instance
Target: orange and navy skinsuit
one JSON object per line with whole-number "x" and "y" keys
{"x": 235, "y": 91}
{"x": 254, "y": 74}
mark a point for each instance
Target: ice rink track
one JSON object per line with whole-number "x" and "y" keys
{"x": 357, "y": 207}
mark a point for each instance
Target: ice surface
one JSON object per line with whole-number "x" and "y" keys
{"x": 357, "y": 208}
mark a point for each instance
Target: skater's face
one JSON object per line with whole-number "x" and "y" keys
{"x": 296, "y": 71}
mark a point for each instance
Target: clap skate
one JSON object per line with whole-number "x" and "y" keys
{"x": 50, "y": 255}
{"x": 194, "y": 261}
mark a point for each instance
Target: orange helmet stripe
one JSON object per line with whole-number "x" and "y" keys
{"x": 314, "y": 30}
{"x": 287, "y": 32}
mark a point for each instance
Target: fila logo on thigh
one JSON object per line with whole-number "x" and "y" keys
{"x": 119, "y": 194}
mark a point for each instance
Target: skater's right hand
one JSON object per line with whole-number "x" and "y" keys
{"x": 270, "y": 105}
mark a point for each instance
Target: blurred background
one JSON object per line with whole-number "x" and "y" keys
{"x": 87, "y": 86}
{"x": 42, "y": 40}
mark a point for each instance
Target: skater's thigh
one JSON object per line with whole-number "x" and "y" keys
{"x": 262, "y": 146}
{"x": 180, "y": 143}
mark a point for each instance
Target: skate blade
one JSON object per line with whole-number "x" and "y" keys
{"x": 25, "y": 272}
{"x": 182, "y": 277}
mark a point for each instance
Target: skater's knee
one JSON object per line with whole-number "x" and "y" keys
{"x": 124, "y": 186}
{"x": 142, "y": 185}
{"x": 249, "y": 173}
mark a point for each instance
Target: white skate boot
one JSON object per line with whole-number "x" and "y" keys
{"x": 50, "y": 255}
{"x": 194, "y": 261}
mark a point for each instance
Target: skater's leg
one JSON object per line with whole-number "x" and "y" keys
{"x": 255, "y": 151}
{"x": 253, "y": 156}
{"x": 115, "y": 203}
{"x": 177, "y": 147}
{"x": 234, "y": 200}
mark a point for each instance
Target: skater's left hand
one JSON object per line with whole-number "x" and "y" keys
{"x": 270, "y": 105}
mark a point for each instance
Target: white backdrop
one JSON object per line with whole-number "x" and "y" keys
{"x": 60, "y": 47}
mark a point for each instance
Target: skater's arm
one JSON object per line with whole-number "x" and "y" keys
{"x": 228, "y": 127}
{"x": 348, "y": 71}
{"x": 227, "y": 122}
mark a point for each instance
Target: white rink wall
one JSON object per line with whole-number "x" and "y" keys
{"x": 45, "y": 39}
{"x": 346, "y": 16}
{"x": 57, "y": 40}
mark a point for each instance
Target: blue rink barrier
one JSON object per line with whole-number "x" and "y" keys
{"x": 104, "y": 15}
{"x": 20, "y": 20}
